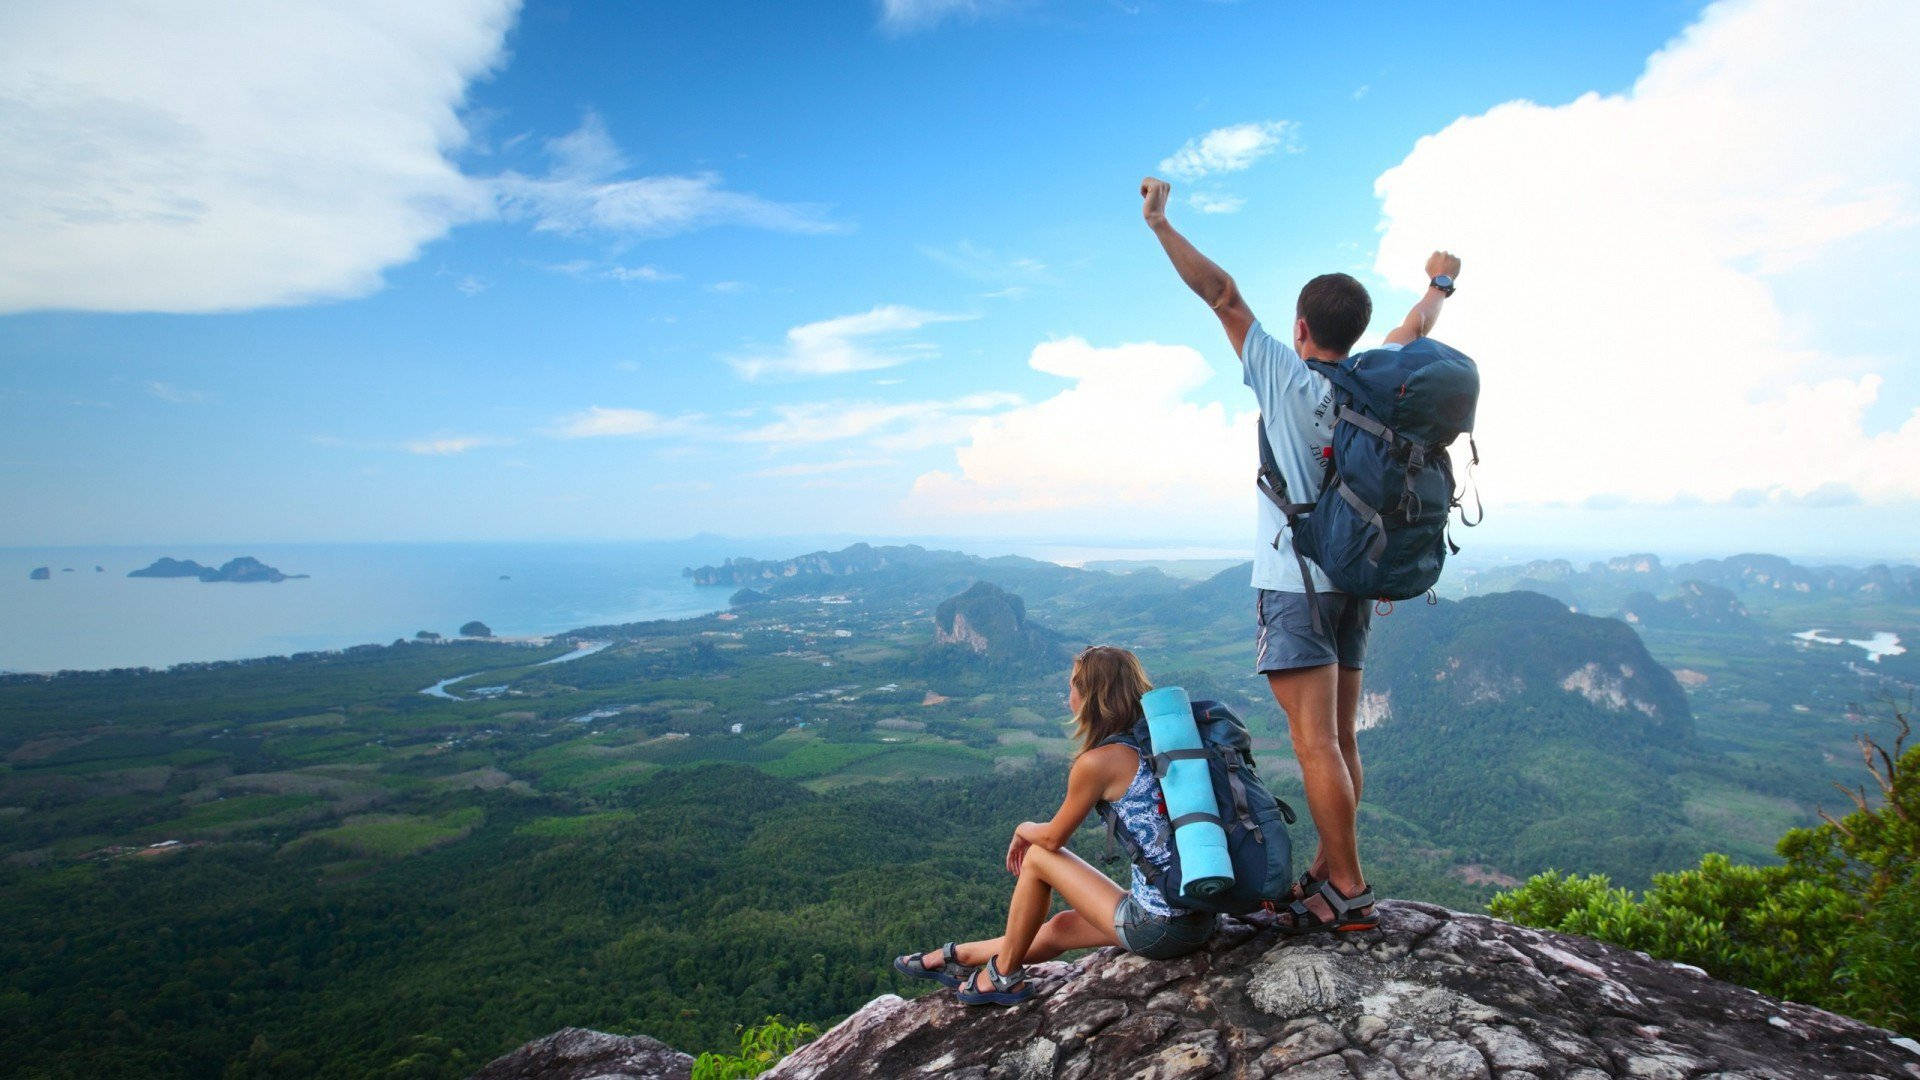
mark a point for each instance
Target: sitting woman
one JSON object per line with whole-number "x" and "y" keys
{"x": 1104, "y": 694}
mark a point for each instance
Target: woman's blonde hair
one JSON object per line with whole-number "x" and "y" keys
{"x": 1110, "y": 681}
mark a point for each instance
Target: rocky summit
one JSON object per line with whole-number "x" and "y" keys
{"x": 1432, "y": 995}
{"x": 579, "y": 1054}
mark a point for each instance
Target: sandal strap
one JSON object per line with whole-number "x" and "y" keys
{"x": 950, "y": 952}
{"x": 1340, "y": 902}
{"x": 1003, "y": 982}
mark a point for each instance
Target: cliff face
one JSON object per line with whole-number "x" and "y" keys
{"x": 1432, "y": 995}
{"x": 987, "y": 620}
{"x": 1508, "y": 646}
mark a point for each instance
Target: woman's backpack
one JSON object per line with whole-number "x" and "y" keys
{"x": 1255, "y": 821}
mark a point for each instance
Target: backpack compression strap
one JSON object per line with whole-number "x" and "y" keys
{"x": 1233, "y": 760}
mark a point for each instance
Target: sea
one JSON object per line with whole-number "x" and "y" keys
{"x": 86, "y": 618}
{"x": 90, "y": 615}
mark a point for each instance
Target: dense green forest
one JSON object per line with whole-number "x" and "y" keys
{"x": 404, "y": 860}
{"x": 1835, "y": 924}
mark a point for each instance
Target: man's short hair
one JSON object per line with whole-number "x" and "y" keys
{"x": 1337, "y": 309}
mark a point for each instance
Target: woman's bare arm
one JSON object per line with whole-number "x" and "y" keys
{"x": 1092, "y": 775}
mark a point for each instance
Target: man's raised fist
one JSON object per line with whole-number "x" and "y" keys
{"x": 1153, "y": 199}
{"x": 1443, "y": 262}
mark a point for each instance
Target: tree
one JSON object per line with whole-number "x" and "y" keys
{"x": 1837, "y": 925}
{"x": 476, "y": 628}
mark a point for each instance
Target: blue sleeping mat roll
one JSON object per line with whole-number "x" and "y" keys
{"x": 1206, "y": 868}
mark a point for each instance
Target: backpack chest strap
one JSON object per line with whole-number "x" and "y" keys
{"x": 1161, "y": 762}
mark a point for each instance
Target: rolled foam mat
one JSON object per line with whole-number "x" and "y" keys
{"x": 1206, "y": 868}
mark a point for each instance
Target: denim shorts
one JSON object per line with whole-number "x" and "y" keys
{"x": 1288, "y": 639}
{"x": 1160, "y": 937}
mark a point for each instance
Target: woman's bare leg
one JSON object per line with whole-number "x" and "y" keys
{"x": 1067, "y": 930}
{"x": 1090, "y": 893}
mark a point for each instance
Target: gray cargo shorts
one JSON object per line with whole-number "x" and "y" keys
{"x": 1288, "y": 640}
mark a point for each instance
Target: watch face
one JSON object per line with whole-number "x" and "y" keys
{"x": 1443, "y": 281}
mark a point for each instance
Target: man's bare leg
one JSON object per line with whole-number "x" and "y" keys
{"x": 1348, "y": 707}
{"x": 1311, "y": 698}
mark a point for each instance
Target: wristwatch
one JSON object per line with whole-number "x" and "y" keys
{"x": 1444, "y": 283}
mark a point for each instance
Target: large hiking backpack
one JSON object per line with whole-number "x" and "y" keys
{"x": 1378, "y": 526}
{"x": 1254, "y": 820}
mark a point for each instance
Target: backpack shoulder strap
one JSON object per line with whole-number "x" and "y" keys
{"x": 1274, "y": 487}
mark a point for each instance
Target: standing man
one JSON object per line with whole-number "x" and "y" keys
{"x": 1312, "y": 665}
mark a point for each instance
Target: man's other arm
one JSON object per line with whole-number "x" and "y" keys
{"x": 1201, "y": 274}
{"x": 1419, "y": 322}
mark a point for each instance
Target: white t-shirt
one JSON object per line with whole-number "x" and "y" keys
{"x": 1296, "y": 403}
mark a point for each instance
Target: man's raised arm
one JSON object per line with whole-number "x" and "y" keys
{"x": 1419, "y": 322}
{"x": 1201, "y": 274}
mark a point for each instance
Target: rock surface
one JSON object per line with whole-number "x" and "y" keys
{"x": 1432, "y": 995}
{"x": 579, "y": 1054}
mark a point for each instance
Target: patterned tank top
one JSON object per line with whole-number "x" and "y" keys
{"x": 1140, "y": 815}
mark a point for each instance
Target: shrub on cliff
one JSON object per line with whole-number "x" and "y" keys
{"x": 761, "y": 1048}
{"x": 1837, "y": 925}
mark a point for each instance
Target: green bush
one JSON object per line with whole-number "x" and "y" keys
{"x": 761, "y": 1048}
{"x": 1838, "y": 925}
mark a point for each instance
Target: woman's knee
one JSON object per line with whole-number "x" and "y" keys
{"x": 1063, "y": 921}
{"x": 1038, "y": 862}
{"x": 1057, "y": 934}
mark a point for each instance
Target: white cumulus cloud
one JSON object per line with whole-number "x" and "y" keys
{"x": 190, "y": 155}
{"x": 1124, "y": 440}
{"x": 1624, "y": 259}
{"x": 1230, "y": 149}
{"x": 867, "y": 341}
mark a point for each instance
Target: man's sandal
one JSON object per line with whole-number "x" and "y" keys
{"x": 1003, "y": 992}
{"x": 1304, "y": 886}
{"x": 950, "y": 973}
{"x": 1301, "y": 919}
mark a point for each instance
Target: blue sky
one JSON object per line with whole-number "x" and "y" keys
{"x": 554, "y": 271}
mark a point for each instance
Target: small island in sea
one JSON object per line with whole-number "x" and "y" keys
{"x": 246, "y": 568}
{"x": 40, "y": 573}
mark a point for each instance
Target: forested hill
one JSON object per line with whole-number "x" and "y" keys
{"x": 1599, "y": 585}
{"x": 310, "y": 866}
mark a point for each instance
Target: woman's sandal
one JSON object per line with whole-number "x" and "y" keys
{"x": 950, "y": 973}
{"x": 1301, "y": 919}
{"x": 1003, "y": 992}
